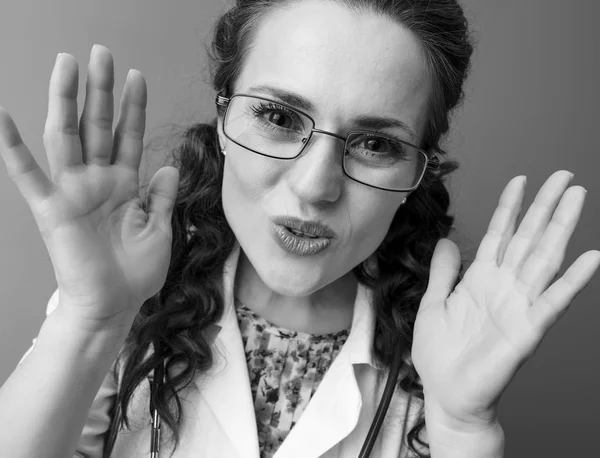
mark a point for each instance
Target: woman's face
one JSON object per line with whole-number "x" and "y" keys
{"x": 346, "y": 65}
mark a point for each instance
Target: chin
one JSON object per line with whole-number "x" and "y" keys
{"x": 290, "y": 278}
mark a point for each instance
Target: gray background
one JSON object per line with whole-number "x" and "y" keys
{"x": 531, "y": 108}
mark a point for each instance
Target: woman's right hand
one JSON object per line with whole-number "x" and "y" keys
{"x": 108, "y": 253}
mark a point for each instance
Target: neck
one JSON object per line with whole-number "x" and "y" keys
{"x": 328, "y": 310}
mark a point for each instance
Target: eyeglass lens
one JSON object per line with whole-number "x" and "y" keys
{"x": 271, "y": 129}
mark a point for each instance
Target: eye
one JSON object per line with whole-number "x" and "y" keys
{"x": 279, "y": 119}
{"x": 272, "y": 115}
{"x": 376, "y": 144}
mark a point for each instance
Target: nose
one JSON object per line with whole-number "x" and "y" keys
{"x": 317, "y": 176}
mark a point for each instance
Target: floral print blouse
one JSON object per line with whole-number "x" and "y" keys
{"x": 285, "y": 369}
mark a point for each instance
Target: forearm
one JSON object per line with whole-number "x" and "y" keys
{"x": 447, "y": 439}
{"x": 45, "y": 402}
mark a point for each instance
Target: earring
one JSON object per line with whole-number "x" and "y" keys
{"x": 403, "y": 201}
{"x": 223, "y": 152}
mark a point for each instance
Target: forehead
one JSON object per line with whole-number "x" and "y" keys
{"x": 346, "y": 63}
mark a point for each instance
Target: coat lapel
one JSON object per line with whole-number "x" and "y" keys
{"x": 333, "y": 412}
{"x": 226, "y": 388}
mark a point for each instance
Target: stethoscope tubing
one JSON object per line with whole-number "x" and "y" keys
{"x": 386, "y": 398}
{"x": 156, "y": 381}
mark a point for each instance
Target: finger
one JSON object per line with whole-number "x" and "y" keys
{"x": 554, "y": 302}
{"x": 129, "y": 133}
{"x": 543, "y": 264}
{"x": 503, "y": 223}
{"x": 536, "y": 220}
{"x": 444, "y": 270}
{"x": 61, "y": 134}
{"x": 160, "y": 200}
{"x": 22, "y": 167}
{"x": 95, "y": 126}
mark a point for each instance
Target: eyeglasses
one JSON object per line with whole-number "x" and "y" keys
{"x": 277, "y": 130}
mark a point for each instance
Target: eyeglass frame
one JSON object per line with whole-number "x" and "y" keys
{"x": 432, "y": 162}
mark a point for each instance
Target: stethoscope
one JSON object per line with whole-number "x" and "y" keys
{"x": 157, "y": 379}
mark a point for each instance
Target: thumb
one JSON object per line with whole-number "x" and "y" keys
{"x": 445, "y": 266}
{"x": 161, "y": 196}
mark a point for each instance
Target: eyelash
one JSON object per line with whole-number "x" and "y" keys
{"x": 267, "y": 107}
{"x": 386, "y": 135}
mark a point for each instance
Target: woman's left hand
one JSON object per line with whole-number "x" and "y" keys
{"x": 469, "y": 341}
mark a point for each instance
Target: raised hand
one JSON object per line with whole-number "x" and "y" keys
{"x": 470, "y": 341}
{"x": 108, "y": 253}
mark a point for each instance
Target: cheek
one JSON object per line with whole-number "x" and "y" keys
{"x": 242, "y": 177}
{"x": 366, "y": 221}
{"x": 369, "y": 221}
{"x": 248, "y": 179}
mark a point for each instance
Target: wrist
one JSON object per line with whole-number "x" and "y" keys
{"x": 90, "y": 318}
{"x": 79, "y": 327}
{"x": 450, "y": 437}
{"x": 73, "y": 346}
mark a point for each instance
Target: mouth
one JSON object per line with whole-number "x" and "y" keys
{"x": 303, "y": 228}
{"x": 300, "y": 237}
{"x": 302, "y": 234}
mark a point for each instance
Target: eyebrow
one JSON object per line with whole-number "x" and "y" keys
{"x": 379, "y": 122}
{"x": 363, "y": 121}
{"x": 287, "y": 97}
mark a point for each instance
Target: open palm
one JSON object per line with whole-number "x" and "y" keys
{"x": 109, "y": 252}
{"x": 470, "y": 341}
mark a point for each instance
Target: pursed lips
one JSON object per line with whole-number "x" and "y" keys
{"x": 305, "y": 227}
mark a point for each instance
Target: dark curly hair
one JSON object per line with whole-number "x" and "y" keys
{"x": 174, "y": 322}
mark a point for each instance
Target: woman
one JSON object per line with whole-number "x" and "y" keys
{"x": 296, "y": 252}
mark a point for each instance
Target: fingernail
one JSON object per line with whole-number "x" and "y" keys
{"x": 94, "y": 49}
{"x": 132, "y": 72}
{"x": 57, "y": 57}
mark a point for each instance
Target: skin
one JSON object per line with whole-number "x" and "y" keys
{"x": 359, "y": 64}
